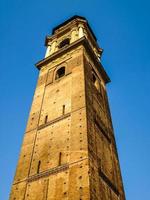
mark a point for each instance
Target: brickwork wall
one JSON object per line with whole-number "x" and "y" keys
{"x": 69, "y": 149}
{"x": 53, "y": 162}
{"x": 105, "y": 176}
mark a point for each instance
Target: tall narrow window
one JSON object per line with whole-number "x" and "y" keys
{"x": 46, "y": 118}
{"x": 60, "y": 73}
{"x": 60, "y": 155}
{"x": 38, "y": 167}
{"x": 63, "y": 109}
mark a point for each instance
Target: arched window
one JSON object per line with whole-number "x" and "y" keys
{"x": 64, "y": 43}
{"x": 60, "y": 73}
{"x": 96, "y": 82}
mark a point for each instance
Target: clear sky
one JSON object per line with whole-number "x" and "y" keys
{"x": 123, "y": 31}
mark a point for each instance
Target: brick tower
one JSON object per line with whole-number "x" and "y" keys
{"x": 69, "y": 150}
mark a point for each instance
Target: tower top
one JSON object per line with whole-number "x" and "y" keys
{"x": 74, "y": 18}
{"x": 69, "y": 35}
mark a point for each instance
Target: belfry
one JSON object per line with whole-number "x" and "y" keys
{"x": 69, "y": 150}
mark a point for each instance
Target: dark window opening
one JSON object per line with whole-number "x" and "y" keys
{"x": 60, "y": 73}
{"x": 46, "y": 118}
{"x": 93, "y": 77}
{"x": 64, "y": 43}
{"x": 38, "y": 167}
{"x": 63, "y": 110}
{"x": 60, "y": 155}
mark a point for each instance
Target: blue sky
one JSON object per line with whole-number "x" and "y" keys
{"x": 123, "y": 31}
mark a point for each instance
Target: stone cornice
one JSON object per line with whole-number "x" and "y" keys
{"x": 76, "y": 19}
{"x": 68, "y": 27}
{"x": 54, "y": 121}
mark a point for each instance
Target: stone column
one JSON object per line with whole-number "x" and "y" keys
{"x": 48, "y": 51}
{"x": 81, "y": 30}
{"x": 53, "y": 47}
{"x": 73, "y": 35}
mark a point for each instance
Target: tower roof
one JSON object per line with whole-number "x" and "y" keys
{"x": 71, "y": 19}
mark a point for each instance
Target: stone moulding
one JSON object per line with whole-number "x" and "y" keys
{"x": 48, "y": 172}
{"x": 54, "y": 121}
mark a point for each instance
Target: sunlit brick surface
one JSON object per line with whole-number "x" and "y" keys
{"x": 69, "y": 150}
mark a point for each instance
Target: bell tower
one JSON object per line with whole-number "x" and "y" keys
{"x": 69, "y": 150}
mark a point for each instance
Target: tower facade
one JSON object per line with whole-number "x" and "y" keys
{"x": 69, "y": 150}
